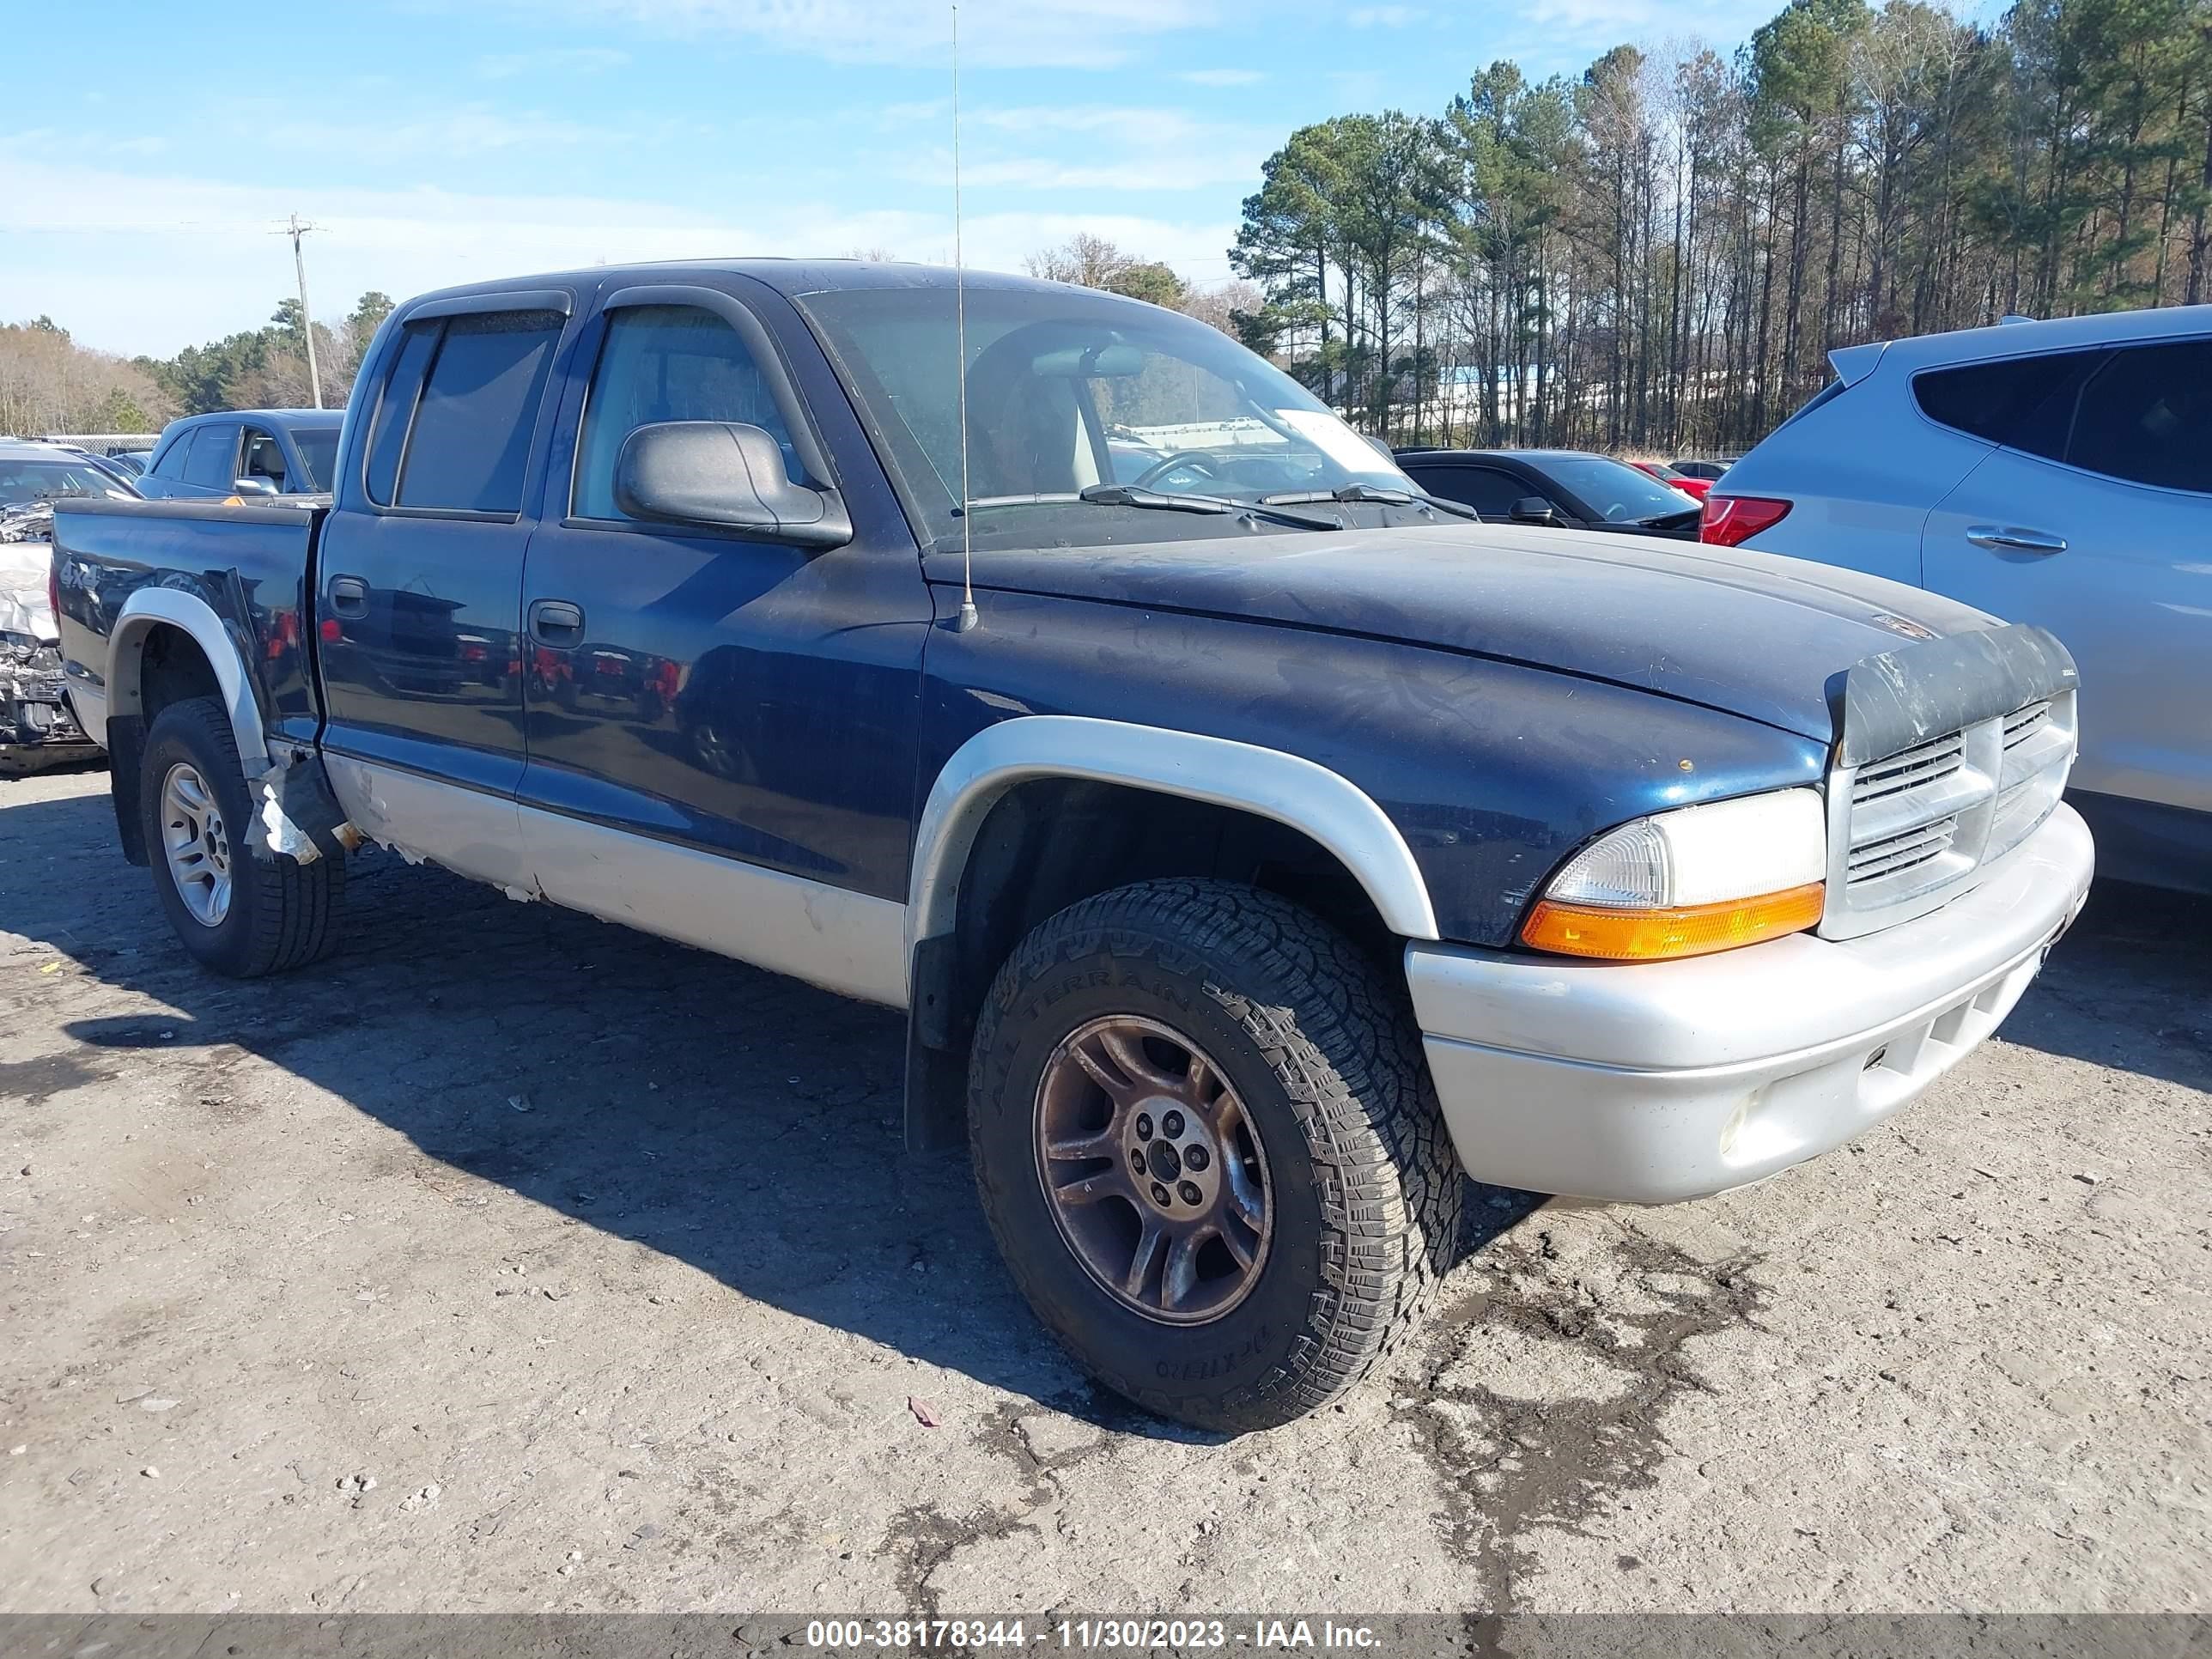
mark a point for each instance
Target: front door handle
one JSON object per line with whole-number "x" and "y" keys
{"x": 349, "y": 597}
{"x": 555, "y": 623}
{"x": 2011, "y": 537}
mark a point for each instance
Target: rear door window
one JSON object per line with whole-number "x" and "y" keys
{"x": 2146, "y": 416}
{"x": 214, "y": 463}
{"x": 457, "y": 411}
{"x": 395, "y": 407}
{"x": 2023, "y": 402}
{"x": 470, "y": 438}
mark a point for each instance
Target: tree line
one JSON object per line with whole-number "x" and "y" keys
{"x": 1657, "y": 254}
{"x": 51, "y": 383}
{"x": 1660, "y": 254}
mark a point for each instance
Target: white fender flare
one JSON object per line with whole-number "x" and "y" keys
{"x": 152, "y": 605}
{"x": 1268, "y": 782}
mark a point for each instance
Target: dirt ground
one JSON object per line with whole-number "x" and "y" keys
{"x": 513, "y": 1261}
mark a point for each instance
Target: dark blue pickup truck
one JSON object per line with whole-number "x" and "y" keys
{"x": 1254, "y": 843}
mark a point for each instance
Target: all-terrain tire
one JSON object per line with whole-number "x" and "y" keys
{"x": 1319, "y": 1044}
{"x": 282, "y": 913}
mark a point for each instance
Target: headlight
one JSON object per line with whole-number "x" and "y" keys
{"x": 1694, "y": 880}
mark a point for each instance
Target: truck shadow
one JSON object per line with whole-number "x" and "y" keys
{"x": 2130, "y": 987}
{"x": 740, "y": 1122}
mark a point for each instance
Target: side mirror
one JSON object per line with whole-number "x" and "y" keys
{"x": 728, "y": 475}
{"x": 254, "y": 487}
{"x": 1534, "y": 509}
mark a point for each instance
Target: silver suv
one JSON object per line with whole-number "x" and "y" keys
{"x": 2053, "y": 472}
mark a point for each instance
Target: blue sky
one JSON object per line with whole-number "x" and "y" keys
{"x": 140, "y": 187}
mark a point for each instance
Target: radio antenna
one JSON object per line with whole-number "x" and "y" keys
{"x": 968, "y": 616}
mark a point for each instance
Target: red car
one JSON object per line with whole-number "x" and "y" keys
{"x": 1693, "y": 488}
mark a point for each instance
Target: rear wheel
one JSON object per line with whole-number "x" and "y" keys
{"x": 1207, "y": 1145}
{"x": 241, "y": 913}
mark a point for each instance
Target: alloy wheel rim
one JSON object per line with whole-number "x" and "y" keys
{"x": 197, "y": 844}
{"x": 1153, "y": 1169}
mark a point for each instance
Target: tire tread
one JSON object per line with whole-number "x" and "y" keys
{"x": 292, "y": 908}
{"x": 1340, "y": 1039}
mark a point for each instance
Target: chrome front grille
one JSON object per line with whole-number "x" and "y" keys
{"x": 1893, "y": 855}
{"x": 1910, "y": 830}
{"x": 2025, "y": 723}
{"x": 1923, "y": 763}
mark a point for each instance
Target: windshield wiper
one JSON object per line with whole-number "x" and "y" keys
{"x": 1176, "y": 501}
{"x": 1366, "y": 492}
{"x": 1162, "y": 501}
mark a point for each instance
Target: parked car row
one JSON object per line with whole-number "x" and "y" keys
{"x": 2057, "y": 473}
{"x": 1689, "y": 483}
{"x": 1559, "y": 488}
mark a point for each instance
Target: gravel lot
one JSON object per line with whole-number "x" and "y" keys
{"x": 514, "y": 1261}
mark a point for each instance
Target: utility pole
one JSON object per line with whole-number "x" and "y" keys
{"x": 296, "y": 229}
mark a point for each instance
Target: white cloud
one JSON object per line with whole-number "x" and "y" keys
{"x": 1113, "y": 148}
{"x": 462, "y": 130}
{"x": 1066, "y": 33}
{"x": 1222, "y": 77}
{"x": 922, "y": 109}
{"x": 137, "y": 263}
{"x": 551, "y": 60}
{"x": 1591, "y": 26}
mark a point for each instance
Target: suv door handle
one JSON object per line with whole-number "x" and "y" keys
{"x": 2013, "y": 537}
{"x": 556, "y": 621}
{"x": 348, "y": 596}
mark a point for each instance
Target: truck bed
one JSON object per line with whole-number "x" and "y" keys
{"x": 253, "y": 565}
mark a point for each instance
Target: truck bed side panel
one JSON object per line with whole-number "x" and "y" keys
{"x": 251, "y": 566}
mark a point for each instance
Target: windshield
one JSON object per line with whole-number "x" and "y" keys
{"x": 1068, "y": 390}
{"x": 1616, "y": 491}
{"x": 28, "y": 480}
{"x": 318, "y": 450}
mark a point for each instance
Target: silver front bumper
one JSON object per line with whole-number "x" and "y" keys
{"x": 1652, "y": 1083}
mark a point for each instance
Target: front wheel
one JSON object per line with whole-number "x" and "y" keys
{"x": 241, "y": 913}
{"x": 1207, "y": 1145}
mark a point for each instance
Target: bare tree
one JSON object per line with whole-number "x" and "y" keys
{"x": 49, "y": 383}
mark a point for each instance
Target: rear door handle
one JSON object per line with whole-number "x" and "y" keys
{"x": 348, "y": 596}
{"x": 555, "y": 621}
{"x": 2013, "y": 537}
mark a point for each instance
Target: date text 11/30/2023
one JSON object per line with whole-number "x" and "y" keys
{"x": 1089, "y": 1635}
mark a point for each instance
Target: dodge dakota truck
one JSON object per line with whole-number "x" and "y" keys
{"x": 1253, "y": 843}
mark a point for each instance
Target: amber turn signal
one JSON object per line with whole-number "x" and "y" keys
{"x": 1635, "y": 935}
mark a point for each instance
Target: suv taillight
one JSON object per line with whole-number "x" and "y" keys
{"x": 1731, "y": 520}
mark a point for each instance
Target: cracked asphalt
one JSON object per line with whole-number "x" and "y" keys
{"x": 511, "y": 1262}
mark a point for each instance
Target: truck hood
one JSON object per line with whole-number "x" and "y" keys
{"x": 1751, "y": 633}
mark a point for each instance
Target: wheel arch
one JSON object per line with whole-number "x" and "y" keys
{"x": 1269, "y": 783}
{"x": 1037, "y": 807}
{"x": 151, "y": 608}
